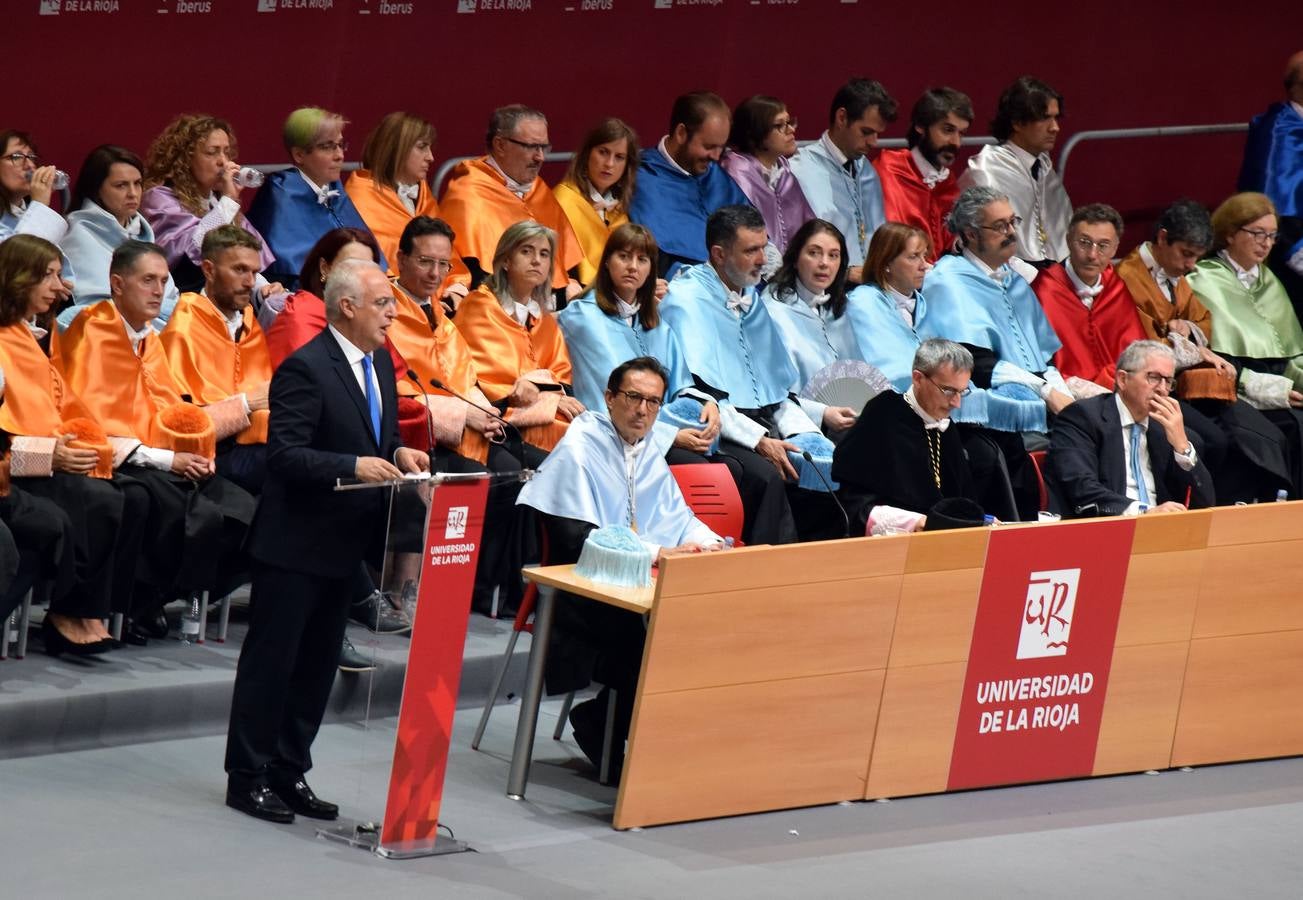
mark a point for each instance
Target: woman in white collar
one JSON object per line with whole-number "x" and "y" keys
{"x": 805, "y": 295}
{"x": 1254, "y": 325}
{"x": 106, "y": 202}
{"x": 597, "y": 191}
{"x": 190, "y": 189}
{"x": 26, "y": 188}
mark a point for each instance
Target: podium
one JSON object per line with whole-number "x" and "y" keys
{"x": 433, "y": 542}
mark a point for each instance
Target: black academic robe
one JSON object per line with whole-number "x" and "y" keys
{"x": 884, "y": 460}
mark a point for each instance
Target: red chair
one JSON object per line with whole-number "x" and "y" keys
{"x": 1038, "y": 463}
{"x": 712, "y": 495}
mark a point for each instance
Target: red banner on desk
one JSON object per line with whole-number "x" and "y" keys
{"x": 452, "y": 548}
{"x": 1042, "y": 647}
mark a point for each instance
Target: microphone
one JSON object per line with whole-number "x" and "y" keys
{"x": 429, "y": 425}
{"x": 520, "y": 440}
{"x": 846, "y": 532}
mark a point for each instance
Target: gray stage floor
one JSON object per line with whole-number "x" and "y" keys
{"x": 147, "y": 821}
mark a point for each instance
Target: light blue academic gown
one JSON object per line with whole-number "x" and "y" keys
{"x": 35, "y": 219}
{"x": 675, "y": 206}
{"x": 872, "y": 331}
{"x": 585, "y": 478}
{"x": 743, "y": 357}
{"x": 93, "y": 235}
{"x": 805, "y": 333}
{"x": 853, "y": 203}
{"x": 966, "y": 306}
{"x": 597, "y": 343}
{"x": 291, "y": 220}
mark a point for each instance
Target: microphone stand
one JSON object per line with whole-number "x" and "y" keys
{"x": 846, "y": 531}
{"x": 520, "y": 440}
{"x": 429, "y": 425}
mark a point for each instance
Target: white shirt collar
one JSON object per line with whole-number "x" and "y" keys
{"x": 324, "y": 194}
{"x": 135, "y": 225}
{"x": 1028, "y": 159}
{"x": 812, "y": 300}
{"x": 519, "y": 188}
{"x": 352, "y": 352}
{"x": 1085, "y": 293}
{"x": 931, "y": 174}
{"x": 665, "y": 153}
{"x": 1127, "y": 419}
{"x": 929, "y": 423}
{"x": 233, "y": 320}
{"x": 1166, "y": 282}
{"x": 772, "y": 175}
{"x": 37, "y": 331}
{"x": 520, "y": 311}
{"x": 904, "y": 305}
{"x": 993, "y": 274}
{"x": 137, "y": 336}
{"x": 1298, "y": 107}
{"x": 408, "y": 194}
{"x": 422, "y": 301}
{"x": 832, "y": 149}
{"x": 1247, "y": 277}
{"x": 602, "y": 202}
{"x": 626, "y": 311}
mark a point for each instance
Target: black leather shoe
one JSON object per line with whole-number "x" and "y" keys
{"x": 154, "y": 625}
{"x": 261, "y": 802}
{"x": 300, "y": 798}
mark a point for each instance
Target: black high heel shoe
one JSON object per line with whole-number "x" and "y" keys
{"x": 56, "y": 643}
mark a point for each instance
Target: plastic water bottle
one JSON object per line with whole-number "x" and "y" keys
{"x": 190, "y": 623}
{"x": 1282, "y": 495}
{"x": 248, "y": 177}
{"x": 60, "y": 182}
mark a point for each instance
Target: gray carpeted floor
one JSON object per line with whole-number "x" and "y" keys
{"x": 147, "y": 821}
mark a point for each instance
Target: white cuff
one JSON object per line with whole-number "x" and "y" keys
{"x": 1007, "y": 373}
{"x": 1295, "y": 261}
{"x": 152, "y": 458}
{"x": 791, "y": 419}
{"x": 882, "y": 518}
{"x": 735, "y": 427}
{"x": 813, "y": 408}
{"x": 1265, "y": 391}
{"x": 40, "y": 221}
{"x": 230, "y": 208}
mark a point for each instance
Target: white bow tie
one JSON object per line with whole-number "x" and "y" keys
{"x": 1090, "y": 293}
{"x": 738, "y": 303}
{"x": 135, "y": 225}
{"x": 940, "y": 425}
{"x": 410, "y": 191}
{"x": 935, "y": 177}
{"x": 525, "y": 310}
{"x": 325, "y": 195}
{"x": 818, "y": 300}
{"x": 626, "y": 310}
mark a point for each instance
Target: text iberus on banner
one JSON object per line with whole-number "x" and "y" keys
{"x": 1042, "y": 645}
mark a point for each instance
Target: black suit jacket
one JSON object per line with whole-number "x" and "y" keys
{"x": 1088, "y": 465}
{"x": 319, "y": 427}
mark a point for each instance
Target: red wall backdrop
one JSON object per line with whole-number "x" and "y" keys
{"x": 83, "y": 72}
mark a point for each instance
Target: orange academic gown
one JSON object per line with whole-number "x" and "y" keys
{"x": 479, "y": 208}
{"x": 209, "y": 366}
{"x": 590, "y": 230}
{"x": 503, "y": 350}
{"x": 386, "y": 216}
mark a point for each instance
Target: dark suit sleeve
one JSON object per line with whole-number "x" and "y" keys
{"x": 1176, "y": 480}
{"x": 1074, "y": 465}
{"x": 296, "y": 405}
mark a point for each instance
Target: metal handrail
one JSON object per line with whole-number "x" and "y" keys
{"x": 1160, "y": 131}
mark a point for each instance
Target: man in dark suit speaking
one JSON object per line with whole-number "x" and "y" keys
{"x": 332, "y": 416}
{"x": 1127, "y": 453}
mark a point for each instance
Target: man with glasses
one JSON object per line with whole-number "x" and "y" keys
{"x": 610, "y": 469}
{"x": 1026, "y": 124}
{"x": 487, "y": 195}
{"x": 975, "y": 298}
{"x": 920, "y": 183}
{"x": 1127, "y": 452}
{"x": 902, "y": 457}
{"x": 296, "y": 206}
{"x": 680, "y": 182}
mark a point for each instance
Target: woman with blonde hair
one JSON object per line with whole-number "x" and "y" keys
{"x": 297, "y": 206}
{"x": 518, "y": 350}
{"x": 190, "y": 189}
{"x": 597, "y": 191}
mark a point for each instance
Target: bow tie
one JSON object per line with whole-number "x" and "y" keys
{"x": 940, "y": 425}
{"x": 738, "y": 303}
{"x": 410, "y": 191}
{"x": 525, "y": 310}
{"x": 935, "y": 177}
{"x": 1090, "y": 293}
{"x": 602, "y": 203}
{"x": 626, "y": 310}
{"x": 325, "y": 195}
{"x": 818, "y": 300}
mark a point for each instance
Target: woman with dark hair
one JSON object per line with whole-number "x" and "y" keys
{"x": 760, "y": 143}
{"x": 598, "y": 189}
{"x": 106, "y": 202}
{"x": 879, "y": 319}
{"x": 805, "y": 294}
{"x": 190, "y": 189}
{"x": 26, "y": 190}
{"x": 60, "y": 453}
{"x": 617, "y": 321}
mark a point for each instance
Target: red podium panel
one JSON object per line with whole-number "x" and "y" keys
{"x": 425, "y": 718}
{"x": 1041, "y": 650}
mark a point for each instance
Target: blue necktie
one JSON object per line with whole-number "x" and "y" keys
{"x": 373, "y": 401}
{"x": 1139, "y": 476}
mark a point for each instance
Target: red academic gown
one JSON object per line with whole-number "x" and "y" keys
{"x": 906, "y": 197}
{"x": 1094, "y": 338}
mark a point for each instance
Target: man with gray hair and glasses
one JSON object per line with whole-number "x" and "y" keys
{"x": 976, "y": 299}
{"x": 902, "y": 458}
{"x": 488, "y": 195}
{"x": 1107, "y": 458}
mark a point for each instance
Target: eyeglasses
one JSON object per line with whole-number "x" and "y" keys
{"x": 331, "y": 146}
{"x": 788, "y": 126}
{"x": 1154, "y": 379}
{"x": 1105, "y": 247}
{"x": 635, "y": 399}
{"x": 948, "y": 392}
{"x": 426, "y": 263}
{"x": 19, "y": 158}
{"x": 1259, "y": 237}
{"x": 1003, "y": 226}
{"x": 531, "y": 148}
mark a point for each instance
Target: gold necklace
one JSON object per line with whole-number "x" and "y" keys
{"x": 934, "y": 453}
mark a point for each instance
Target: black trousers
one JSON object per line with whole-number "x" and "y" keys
{"x": 243, "y": 464}
{"x": 767, "y": 511}
{"x": 286, "y": 670}
{"x": 41, "y": 537}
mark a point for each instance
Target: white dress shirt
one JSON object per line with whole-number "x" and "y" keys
{"x": 1185, "y": 460}
{"x": 354, "y": 357}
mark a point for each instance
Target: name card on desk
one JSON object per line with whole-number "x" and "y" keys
{"x": 1041, "y": 651}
